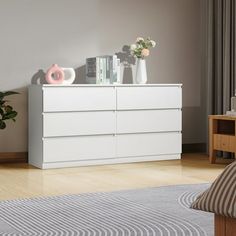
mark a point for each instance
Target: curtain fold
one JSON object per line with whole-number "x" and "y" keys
{"x": 221, "y": 55}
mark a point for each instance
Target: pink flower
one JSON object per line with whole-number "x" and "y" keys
{"x": 145, "y": 52}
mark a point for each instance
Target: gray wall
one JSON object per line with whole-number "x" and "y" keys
{"x": 36, "y": 34}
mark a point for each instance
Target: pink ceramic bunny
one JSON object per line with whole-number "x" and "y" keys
{"x": 55, "y": 75}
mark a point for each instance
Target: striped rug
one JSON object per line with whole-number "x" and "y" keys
{"x": 158, "y": 211}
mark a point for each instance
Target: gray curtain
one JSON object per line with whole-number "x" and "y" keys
{"x": 221, "y": 55}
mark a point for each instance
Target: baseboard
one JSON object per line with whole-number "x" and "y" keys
{"x": 10, "y": 157}
{"x": 194, "y": 147}
{"x": 107, "y": 161}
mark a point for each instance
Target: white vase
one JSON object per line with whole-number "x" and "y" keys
{"x": 141, "y": 72}
{"x": 69, "y": 75}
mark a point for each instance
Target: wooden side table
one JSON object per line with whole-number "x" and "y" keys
{"x": 222, "y": 135}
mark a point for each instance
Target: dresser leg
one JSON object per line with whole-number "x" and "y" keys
{"x": 212, "y": 156}
{"x": 212, "y": 130}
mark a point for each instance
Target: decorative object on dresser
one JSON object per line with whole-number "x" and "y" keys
{"x": 6, "y": 111}
{"x": 69, "y": 75}
{"x": 55, "y": 75}
{"x": 232, "y": 111}
{"x": 141, "y": 50}
{"x": 222, "y": 135}
{"x": 103, "y": 70}
{"x": 233, "y": 103}
{"x": 94, "y": 124}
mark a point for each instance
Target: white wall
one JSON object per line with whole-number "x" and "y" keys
{"x": 36, "y": 34}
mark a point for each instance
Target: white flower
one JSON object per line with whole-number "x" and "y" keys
{"x": 139, "y": 39}
{"x": 133, "y": 47}
{"x": 153, "y": 43}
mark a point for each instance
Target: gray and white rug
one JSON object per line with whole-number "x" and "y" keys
{"x": 161, "y": 211}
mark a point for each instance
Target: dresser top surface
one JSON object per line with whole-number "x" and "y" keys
{"x": 222, "y": 117}
{"x": 108, "y": 85}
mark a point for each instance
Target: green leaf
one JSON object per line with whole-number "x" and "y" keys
{"x": 1, "y": 95}
{"x": 8, "y": 108}
{"x": 2, "y": 124}
{"x": 8, "y": 93}
{"x": 2, "y": 103}
{"x": 9, "y": 115}
{"x": 6, "y": 111}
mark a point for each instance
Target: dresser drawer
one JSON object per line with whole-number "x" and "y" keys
{"x": 129, "y": 98}
{"x": 78, "y": 148}
{"x": 138, "y": 121}
{"x": 225, "y": 143}
{"x": 78, "y": 98}
{"x": 148, "y": 144}
{"x": 78, "y": 123}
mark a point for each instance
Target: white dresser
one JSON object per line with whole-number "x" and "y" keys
{"x": 80, "y": 125}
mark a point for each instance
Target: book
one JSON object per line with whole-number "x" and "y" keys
{"x": 91, "y": 70}
{"x": 118, "y": 81}
{"x": 103, "y": 70}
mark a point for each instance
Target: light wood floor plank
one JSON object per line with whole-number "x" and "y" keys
{"x": 23, "y": 181}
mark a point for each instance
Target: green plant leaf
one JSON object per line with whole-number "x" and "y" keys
{"x": 8, "y": 108}
{"x": 2, "y": 103}
{"x": 9, "y": 115}
{"x": 6, "y": 111}
{"x": 8, "y": 93}
{"x": 1, "y": 95}
{"x": 2, "y": 124}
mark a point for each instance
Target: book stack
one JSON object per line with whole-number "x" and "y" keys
{"x": 103, "y": 70}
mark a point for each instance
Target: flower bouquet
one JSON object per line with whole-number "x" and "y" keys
{"x": 141, "y": 49}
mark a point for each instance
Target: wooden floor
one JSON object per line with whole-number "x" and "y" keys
{"x": 22, "y": 180}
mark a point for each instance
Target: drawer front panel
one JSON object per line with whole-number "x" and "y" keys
{"x": 148, "y": 144}
{"x": 78, "y": 99}
{"x": 78, "y": 148}
{"x": 224, "y": 143}
{"x": 129, "y": 98}
{"x": 148, "y": 121}
{"x": 79, "y": 123}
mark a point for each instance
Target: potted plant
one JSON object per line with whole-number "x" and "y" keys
{"x": 141, "y": 49}
{"x": 6, "y": 111}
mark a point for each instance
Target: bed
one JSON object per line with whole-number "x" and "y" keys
{"x": 220, "y": 199}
